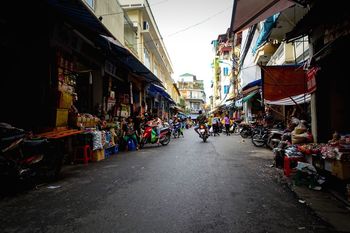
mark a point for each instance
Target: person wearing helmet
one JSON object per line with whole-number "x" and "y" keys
{"x": 201, "y": 120}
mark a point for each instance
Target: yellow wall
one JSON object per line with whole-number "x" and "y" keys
{"x": 114, "y": 21}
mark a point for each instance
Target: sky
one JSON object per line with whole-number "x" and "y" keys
{"x": 187, "y": 28}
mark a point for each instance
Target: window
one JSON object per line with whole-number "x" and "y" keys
{"x": 226, "y": 89}
{"x": 155, "y": 70}
{"x": 91, "y": 3}
{"x": 225, "y": 71}
{"x": 147, "y": 60}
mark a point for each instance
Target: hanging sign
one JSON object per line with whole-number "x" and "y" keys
{"x": 311, "y": 79}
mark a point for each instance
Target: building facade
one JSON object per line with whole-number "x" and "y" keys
{"x": 192, "y": 90}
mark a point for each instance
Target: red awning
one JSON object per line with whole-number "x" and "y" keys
{"x": 280, "y": 82}
{"x": 249, "y": 12}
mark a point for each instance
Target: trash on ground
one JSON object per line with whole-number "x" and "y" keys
{"x": 54, "y": 186}
{"x": 301, "y": 228}
{"x": 317, "y": 188}
{"x": 302, "y": 201}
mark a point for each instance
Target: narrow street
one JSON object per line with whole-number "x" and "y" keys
{"x": 224, "y": 185}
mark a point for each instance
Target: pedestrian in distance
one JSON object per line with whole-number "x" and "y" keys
{"x": 227, "y": 124}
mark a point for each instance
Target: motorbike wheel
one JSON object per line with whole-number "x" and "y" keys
{"x": 273, "y": 143}
{"x": 176, "y": 134}
{"x": 244, "y": 133}
{"x": 142, "y": 143}
{"x": 257, "y": 140}
{"x": 205, "y": 137}
{"x": 166, "y": 140}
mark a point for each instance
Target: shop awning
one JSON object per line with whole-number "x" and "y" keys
{"x": 299, "y": 99}
{"x": 280, "y": 82}
{"x": 79, "y": 14}
{"x": 248, "y": 97}
{"x": 249, "y": 12}
{"x": 154, "y": 89}
{"x": 252, "y": 84}
{"x": 128, "y": 59}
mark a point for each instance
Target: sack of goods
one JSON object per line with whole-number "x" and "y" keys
{"x": 300, "y": 134}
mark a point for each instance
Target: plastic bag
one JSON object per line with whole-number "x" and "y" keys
{"x": 211, "y": 129}
{"x": 96, "y": 140}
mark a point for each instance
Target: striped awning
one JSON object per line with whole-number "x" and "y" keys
{"x": 299, "y": 99}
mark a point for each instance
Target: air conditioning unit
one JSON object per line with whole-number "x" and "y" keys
{"x": 145, "y": 26}
{"x": 135, "y": 24}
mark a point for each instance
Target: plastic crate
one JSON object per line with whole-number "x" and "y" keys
{"x": 111, "y": 151}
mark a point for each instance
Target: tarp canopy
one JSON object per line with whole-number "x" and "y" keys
{"x": 252, "y": 84}
{"x": 265, "y": 31}
{"x": 249, "y": 12}
{"x": 154, "y": 89}
{"x": 280, "y": 82}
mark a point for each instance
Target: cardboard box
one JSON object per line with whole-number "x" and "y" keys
{"x": 65, "y": 100}
{"x": 328, "y": 165}
{"x": 98, "y": 155}
{"x": 341, "y": 169}
{"x": 61, "y": 117}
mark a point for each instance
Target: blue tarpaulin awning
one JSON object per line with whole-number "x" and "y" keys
{"x": 252, "y": 84}
{"x": 265, "y": 31}
{"x": 154, "y": 89}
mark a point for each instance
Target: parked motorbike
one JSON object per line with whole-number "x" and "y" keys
{"x": 23, "y": 158}
{"x": 267, "y": 137}
{"x": 146, "y": 132}
{"x": 203, "y": 132}
{"x": 247, "y": 130}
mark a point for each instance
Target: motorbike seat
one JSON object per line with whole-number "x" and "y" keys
{"x": 164, "y": 129}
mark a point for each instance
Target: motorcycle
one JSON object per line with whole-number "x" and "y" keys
{"x": 267, "y": 137}
{"x": 147, "y": 131}
{"x": 203, "y": 132}
{"x": 24, "y": 159}
{"x": 176, "y": 130}
{"x": 246, "y": 130}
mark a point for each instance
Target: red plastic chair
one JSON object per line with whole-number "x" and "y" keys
{"x": 83, "y": 153}
{"x": 287, "y": 169}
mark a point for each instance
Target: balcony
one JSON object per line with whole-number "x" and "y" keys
{"x": 283, "y": 55}
{"x": 264, "y": 53}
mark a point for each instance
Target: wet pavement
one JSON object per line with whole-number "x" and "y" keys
{"x": 224, "y": 185}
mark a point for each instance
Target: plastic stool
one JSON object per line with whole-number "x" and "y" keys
{"x": 86, "y": 153}
{"x": 287, "y": 162}
{"x": 131, "y": 145}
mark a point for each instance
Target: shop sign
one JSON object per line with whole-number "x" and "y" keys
{"x": 239, "y": 103}
{"x": 311, "y": 79}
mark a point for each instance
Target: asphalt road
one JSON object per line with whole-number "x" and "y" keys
{"x": 224, "y": 185}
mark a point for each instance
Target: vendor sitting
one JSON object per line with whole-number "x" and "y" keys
{"x": 73, "y": 112}
{"x": 129, "y": 132}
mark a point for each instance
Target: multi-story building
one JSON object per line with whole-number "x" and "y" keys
{"x": 133, "y": 26}
{"x": 192, "y": 90}
{"x": 222, "y": 67}
{"x": 262, "y": 45}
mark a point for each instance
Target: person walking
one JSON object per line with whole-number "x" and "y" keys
{"x": 215, "y": 125}
{"x": 227, "y": 124}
